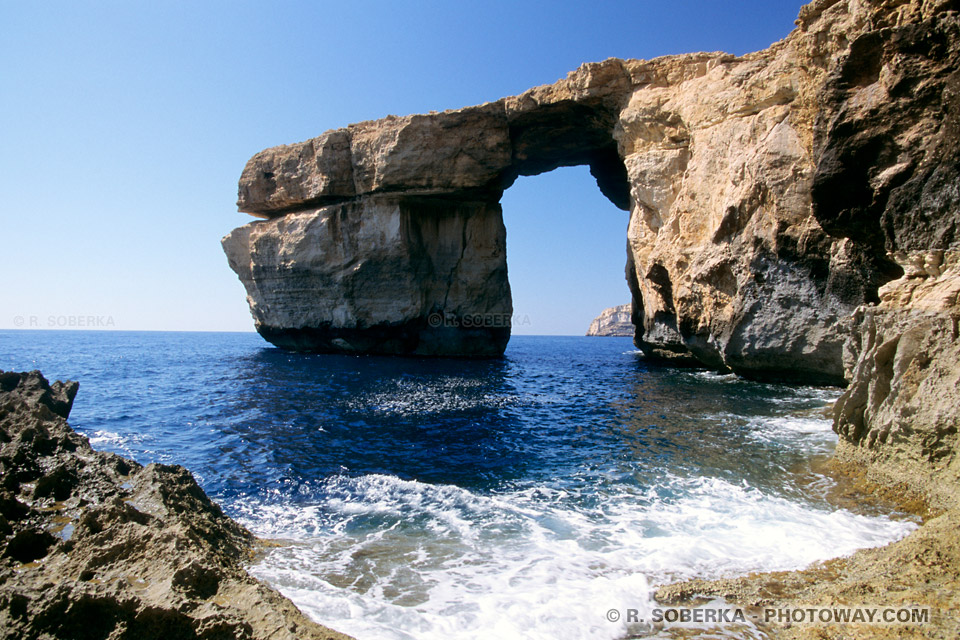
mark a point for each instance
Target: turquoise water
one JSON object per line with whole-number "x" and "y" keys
{"x": 519, "y": 497}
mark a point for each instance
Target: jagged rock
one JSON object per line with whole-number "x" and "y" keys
{"x": 96, "y": 546}
{"x": 615, "y": 321}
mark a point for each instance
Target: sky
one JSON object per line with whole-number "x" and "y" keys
{"x": 124, "y": 126}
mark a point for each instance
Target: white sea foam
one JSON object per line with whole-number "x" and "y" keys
{"x": 127, "y": 445}
{"x": 409, "y": 397}
{"x": 381, "y": 557}
{"x": 714, "y": 376}
{"x": 806, "y": 433}
{"x": 101, "y": 437}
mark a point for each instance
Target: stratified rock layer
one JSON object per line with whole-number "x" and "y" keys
{"x": 385, "y": 274}
{"x": 96, "y": 546}
{"x": 901, "y": 413}
{"x": 614, "y": 322}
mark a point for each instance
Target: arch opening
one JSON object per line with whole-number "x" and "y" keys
{"x": 566, "y": 251}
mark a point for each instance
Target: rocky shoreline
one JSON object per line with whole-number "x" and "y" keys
{"x": 93, "y": 545}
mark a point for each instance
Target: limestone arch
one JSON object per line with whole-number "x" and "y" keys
{"x": 388, "y": 236}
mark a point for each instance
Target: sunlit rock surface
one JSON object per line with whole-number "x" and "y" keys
{"x": 382, "y": 274}
{"x": 615, "y": 321}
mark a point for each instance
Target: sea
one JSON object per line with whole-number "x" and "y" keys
{"x": 541, "y": 495}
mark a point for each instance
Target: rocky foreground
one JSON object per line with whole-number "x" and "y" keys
{"x": 93, "y": 545}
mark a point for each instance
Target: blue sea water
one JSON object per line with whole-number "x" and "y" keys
{"x": 517, "y": 497}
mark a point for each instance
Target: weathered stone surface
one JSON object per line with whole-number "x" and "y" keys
{"x": 95, "y": 546}
{"x": 729, "y": 266}
{"x": 901, "y": 413}
{"x": 288, "y": 177}
{"x": 887, "y": 149}
{"x": 462, "y": 150}
{"x": 386, "y": 236}
{"x": 615, "y": 321}
{"x": 384, "y": 274}
{"x": 888, "y": 133}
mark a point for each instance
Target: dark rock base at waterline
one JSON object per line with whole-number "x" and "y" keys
{"x": 410, "y": 339}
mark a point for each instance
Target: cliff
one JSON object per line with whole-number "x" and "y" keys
{"x": 93, "y": 545}
{"x": 615, "y": 321}
{"x": 793, "y": 215}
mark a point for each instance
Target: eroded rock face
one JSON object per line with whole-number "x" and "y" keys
{"x": 887, "y": 146}
{"x": 728, "y": 262}
{"x": 901, "y": 412}
{"x": 888, "y": 134}
{"x": 96, "y": 546}
{"x": 383, "y": 274}
{"x": 615, "y": 321}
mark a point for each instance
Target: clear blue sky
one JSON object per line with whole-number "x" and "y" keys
{"x": 124, "y": 126}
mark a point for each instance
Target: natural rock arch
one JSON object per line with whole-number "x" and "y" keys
{"x": 388, "y": 236}
{"x": 760, "y": 217}
{"x": 770, "y": 197}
